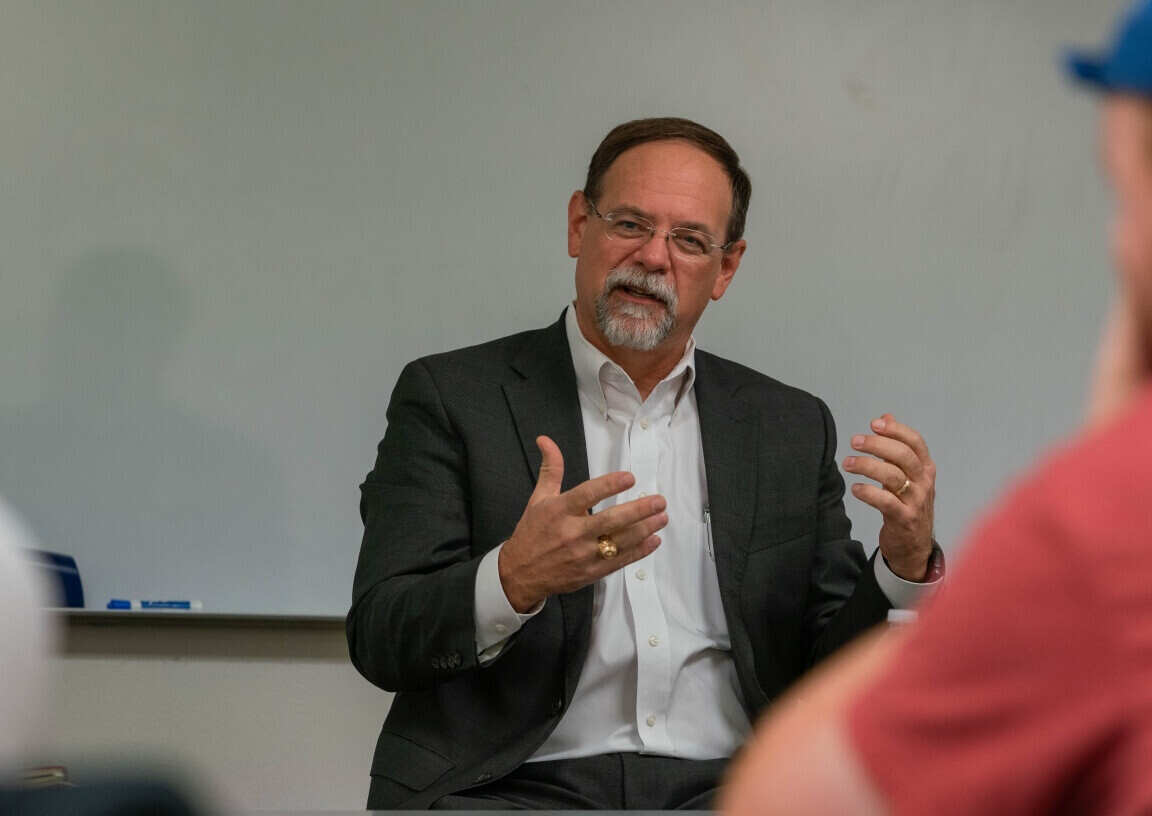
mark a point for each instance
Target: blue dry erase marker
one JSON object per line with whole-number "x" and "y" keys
{"x": 117, "y": 603}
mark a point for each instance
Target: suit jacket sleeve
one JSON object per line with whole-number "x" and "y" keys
{"x": 844, "y": 596}
{"x": 411, "y": 621}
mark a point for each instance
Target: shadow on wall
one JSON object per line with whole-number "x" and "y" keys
{"x": 106, "y": 467}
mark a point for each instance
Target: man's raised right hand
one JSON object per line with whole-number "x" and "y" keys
{"x": 555, "y": 545}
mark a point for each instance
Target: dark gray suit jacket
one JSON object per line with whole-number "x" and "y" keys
{"x": 453, "y": 475}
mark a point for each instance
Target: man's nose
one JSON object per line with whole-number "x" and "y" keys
{"x": 653, "y": 253}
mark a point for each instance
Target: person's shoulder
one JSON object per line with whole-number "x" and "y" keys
{"x": 1109, "y": 461}
{"x": 503, "y": 348}
{"x": 747, "y": 384}
{"x": 484, "y": 360}
{"x": 1092, "y": 491}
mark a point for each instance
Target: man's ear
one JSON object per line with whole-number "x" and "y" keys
{"x": 729, "y": 263}
{"x": 577, "y": 221}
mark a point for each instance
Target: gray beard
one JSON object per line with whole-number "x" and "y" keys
{"x": 632, "y": 325}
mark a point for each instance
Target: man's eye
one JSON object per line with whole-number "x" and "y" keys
{"x": 626, "y": 226}
{"x": 691, "y": 242}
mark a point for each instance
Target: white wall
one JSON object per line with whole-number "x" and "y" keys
{"x": 252, "y": 717}
{"x": 228, "y": 223}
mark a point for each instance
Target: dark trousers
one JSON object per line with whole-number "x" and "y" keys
{"x": 605, "y": 782}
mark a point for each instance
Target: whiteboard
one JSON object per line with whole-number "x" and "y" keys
{"x": 227, "y": 225}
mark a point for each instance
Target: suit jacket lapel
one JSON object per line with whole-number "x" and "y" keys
{"x": 728, "y": 433}
{"x": 544, "y": 401}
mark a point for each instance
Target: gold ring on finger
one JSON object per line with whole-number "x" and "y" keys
{"x": 903, "y": 487}
{"x": 606, "y": 547}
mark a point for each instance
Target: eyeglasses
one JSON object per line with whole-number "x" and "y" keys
{"x": 628, "y": 227}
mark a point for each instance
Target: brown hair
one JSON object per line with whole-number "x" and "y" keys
{"x": 639, "y": 131}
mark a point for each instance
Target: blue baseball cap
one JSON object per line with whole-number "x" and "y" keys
{"x": 1127, "y": 67}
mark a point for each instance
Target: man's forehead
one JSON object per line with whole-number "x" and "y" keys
{"x": 1127, "y": 142}
{"x": 668, "y": 170}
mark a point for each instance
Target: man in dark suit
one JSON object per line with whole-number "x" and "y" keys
{"x": 566, "y": 642}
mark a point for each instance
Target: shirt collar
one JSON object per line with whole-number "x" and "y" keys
{"x": 593, "y": 367}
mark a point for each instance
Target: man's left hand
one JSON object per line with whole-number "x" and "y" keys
{"x": 907, "y": 475}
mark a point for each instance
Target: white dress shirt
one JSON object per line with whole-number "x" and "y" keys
{"x": 659, "y": 677}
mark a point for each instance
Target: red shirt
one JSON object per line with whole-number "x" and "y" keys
{"x": 1027, "y": 685}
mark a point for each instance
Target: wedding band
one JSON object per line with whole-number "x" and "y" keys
{"x": 903, "y": 487}
{"x": 606, "y": 547}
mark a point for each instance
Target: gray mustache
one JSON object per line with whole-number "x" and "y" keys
{"x": 640, "y": 281}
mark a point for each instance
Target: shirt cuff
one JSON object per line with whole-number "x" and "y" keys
{"x": 901, "y": 594}
{"x": 496, "y": 620}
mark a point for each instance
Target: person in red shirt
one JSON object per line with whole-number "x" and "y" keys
{"x": 1026, "y": 686}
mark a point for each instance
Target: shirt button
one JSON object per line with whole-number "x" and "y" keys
{"x": 651, "y": 720}
{"x": 641, "y": 575}
{"x": 653, "y": 641}
{"x": 644, "y": 424}
{"x": 500, "y": 628}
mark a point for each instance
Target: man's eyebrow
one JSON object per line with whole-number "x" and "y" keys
{"x": 633, "y": 210}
